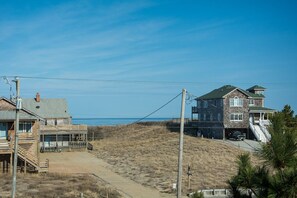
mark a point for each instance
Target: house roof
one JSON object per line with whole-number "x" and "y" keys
{"x": 226, "y": 89}
{"x": 218, "y": 93}
{"x": 253, "y": 95}
{"x": 256, "y": 87}
{"x": 10, "y": 115}
{"x": 24, "y": 113}
{"x": 48, "y": 108}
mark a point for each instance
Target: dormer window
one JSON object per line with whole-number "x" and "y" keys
{"x": 236, "y": 102}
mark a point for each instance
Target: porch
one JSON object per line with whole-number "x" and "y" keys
{"x": 63, "y": 138}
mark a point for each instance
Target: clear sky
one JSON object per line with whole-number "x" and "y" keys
{"x": 197, "y": 45}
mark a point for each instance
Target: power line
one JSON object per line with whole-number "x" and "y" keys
{"x": 137, "y": 81}
{"x": 100, "y": 80}
{"x": 157, "y": 109}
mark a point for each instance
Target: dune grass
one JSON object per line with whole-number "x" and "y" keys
{"x": 148, "y": 154}
{"x": 56, "y": 185}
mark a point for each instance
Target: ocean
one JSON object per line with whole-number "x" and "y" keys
{"x": 113, "y": 121}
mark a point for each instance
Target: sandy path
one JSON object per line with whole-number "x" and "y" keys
{"x": 83, "y": 162}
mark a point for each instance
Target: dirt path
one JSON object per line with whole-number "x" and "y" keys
{"x": 83, "y": 162}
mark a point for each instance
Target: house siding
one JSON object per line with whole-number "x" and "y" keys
{"x": 258, "y": 102}
{"x": 229, "y": 110}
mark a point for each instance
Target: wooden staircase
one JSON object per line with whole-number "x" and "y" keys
{"x": 32, "y": 161}
{"x": 4, "y": 147}
{"x": 28, "y": 158}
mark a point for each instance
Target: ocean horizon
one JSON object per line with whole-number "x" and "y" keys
{"x": 114, "y": 121}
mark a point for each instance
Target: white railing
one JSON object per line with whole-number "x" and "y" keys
{"x": 258, "y": 136}
{"x": 264, "y": 129}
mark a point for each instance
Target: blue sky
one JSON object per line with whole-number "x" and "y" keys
{"x": 197, "y": 45}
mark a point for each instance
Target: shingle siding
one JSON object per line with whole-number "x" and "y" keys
{"x": 229, "y": 110}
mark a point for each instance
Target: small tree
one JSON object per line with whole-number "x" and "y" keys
{"x": 277, "y": 176}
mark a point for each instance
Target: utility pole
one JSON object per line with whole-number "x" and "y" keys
{"x": 181, "y": 145}
{"x": 16, "y": 136}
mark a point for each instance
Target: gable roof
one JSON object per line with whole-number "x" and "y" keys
{"x": 48, "y": 107}
{"x": 256, "y": 87}
{"x": 253, "y": 95}
{"x": 218, "y": 93}
{"x": 226, "y": 89}
{"x": 9, "y": 114}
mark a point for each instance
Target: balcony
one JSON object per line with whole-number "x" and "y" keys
{"x": 45, "y": 129}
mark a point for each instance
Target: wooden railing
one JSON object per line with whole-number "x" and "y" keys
{"x": 33, "y": 160}
{"x": 44, "y": 166}
{"x": 63, "y": 127}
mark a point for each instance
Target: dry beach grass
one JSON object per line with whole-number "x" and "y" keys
{"x": 147, "y": 154}
{"x": 56, "y": 185}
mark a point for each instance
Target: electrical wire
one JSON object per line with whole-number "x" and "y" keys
{"x": 133, "y": 81}
{"x": 100, "y": 80}
{"x": 157, "y": 109}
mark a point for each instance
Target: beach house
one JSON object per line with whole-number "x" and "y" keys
{"x": 28, "y": 149}
{"x": 57, "y": 133}
{"x": 227, "y": 109}
{"x": 44, "y": 126}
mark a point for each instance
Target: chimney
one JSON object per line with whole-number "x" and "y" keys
{"x": 37, "y": 97}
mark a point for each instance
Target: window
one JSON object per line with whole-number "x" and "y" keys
{"x": 251, "y": 102}
{"x": 25, "y": 127}
{"x": 199, "y": 104}
{"x": 205, "y": 104}
{"x": 210, "y": 117}
{"x": 219, "y": 117}
{"x": 236, "y": 102}
{"x": 215, "y": 102}
{"x": 204, "y": 117}
{"x": 236, "y": 117}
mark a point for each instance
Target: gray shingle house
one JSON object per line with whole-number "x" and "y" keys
{"x": 57, "y": 131}
{"x": 229, "y": 108}
{"x": 53, "y": 110}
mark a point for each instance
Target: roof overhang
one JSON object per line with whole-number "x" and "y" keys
{"x": 62, "y": 132}
{"x": 261, "y": 110}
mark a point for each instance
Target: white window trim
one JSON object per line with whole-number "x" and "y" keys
{"x": 237, "y": 117}
{"x": 236, "y": 102}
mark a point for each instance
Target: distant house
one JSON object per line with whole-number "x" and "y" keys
{"x": 56, "y": 132}
{"x": 53, "y": 110}
{"x": 28, "y": 151}
{"x": 44, "y": 125}
{"x": 228, "y": 109}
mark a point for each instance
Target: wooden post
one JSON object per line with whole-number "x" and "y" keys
{"x": 181, "y": 144}
{"x": 43, "y": 147}
{"x": 11, "y": 162}
{"x": 25, "y": 166}
{"x": 56, "y": 142}
{"x": 189, "y": 173}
